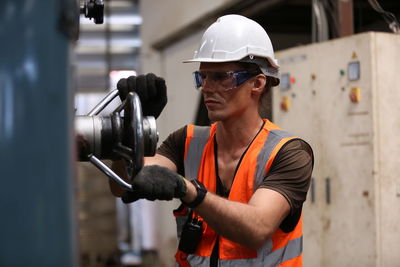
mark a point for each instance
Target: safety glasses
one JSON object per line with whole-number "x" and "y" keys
{"x": 222, "y": 80}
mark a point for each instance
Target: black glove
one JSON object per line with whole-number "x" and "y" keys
{"x": 151, "y": 89}
{"x": 156, "y": 182}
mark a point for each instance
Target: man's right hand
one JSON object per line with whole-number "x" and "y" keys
{"x": 156, "y": 182}
{"x": 151, "y": 89}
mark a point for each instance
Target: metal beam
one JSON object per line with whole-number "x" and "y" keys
{"x": 247, "y": 8}
{"x": 345, "y": 17}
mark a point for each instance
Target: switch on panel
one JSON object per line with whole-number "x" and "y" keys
{"x": 398, "y": 189}
{"x": 313, "y": 76}
{"x": 355, "y": 94}
{"x": 285, "y": 103}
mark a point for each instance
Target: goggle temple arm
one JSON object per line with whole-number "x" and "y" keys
{"x": 243, "y": 76}
{"x": 198, "y": 82}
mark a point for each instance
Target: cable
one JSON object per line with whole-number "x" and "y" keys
{"x": 330, "y": 7}
{"x": 389, "y": 18}
{"x": 321, "y": 32}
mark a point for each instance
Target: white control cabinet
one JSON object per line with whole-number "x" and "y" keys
{"x": 343, "y": 96}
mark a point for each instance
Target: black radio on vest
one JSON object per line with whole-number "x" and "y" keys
{"x": 191, "y": 235}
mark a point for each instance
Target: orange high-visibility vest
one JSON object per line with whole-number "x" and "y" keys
{"x": 283, "y": 249}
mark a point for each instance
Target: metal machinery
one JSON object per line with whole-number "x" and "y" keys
{"x": 123, "y": 134}
{"x": 38, "y": 222}
{"x": 343, "y": 97}
{"x": 37, "y": 155}
{"x": 130, "y": 137}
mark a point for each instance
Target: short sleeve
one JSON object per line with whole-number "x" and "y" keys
{"x": 173, "y": 148}
{"x": 290, "y": 175}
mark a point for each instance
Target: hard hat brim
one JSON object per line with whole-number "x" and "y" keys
{"x": 218, "y": 60}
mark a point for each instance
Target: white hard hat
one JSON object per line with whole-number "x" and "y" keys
{"x": 237, "y": 38}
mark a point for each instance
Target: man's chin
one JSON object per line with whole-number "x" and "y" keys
{"x": 214, "y": 116}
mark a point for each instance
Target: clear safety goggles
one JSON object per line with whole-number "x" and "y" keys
{"x": 222, "y": 80}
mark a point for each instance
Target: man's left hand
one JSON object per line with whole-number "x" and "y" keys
{"x": 156, "y": 182}
{"x": 151, "y": 90}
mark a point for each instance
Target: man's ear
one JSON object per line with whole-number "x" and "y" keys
{"x": 259, "y": 84}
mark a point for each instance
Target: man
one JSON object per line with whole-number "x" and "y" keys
{"x": 245, "y": 178}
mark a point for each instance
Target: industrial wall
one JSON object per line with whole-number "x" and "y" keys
{"x": 342, "y": 96}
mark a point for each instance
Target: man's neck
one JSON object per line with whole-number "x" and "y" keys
{"x": 237, "y": 134}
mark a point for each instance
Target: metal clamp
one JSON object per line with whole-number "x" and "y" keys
{"x": 131, "y": 137}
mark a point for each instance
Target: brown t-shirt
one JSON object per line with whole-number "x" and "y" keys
{"x": 289, "y": 174}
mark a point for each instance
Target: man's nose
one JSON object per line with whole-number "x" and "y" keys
{"x": 208, "y": 86}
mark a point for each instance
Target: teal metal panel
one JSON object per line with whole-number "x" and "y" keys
{"x": 37, "y": 210}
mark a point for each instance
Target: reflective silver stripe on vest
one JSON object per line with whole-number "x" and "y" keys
{"x": 196, "y": 261}
{"x": 293, "y": 249}
{"x": 265, "y": 257}
{"x": 201, "y": 134}
{"x": 274, "y": 137}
